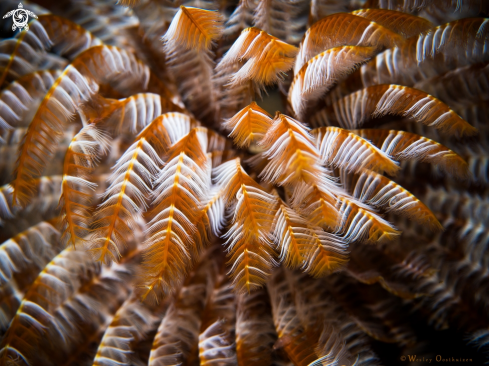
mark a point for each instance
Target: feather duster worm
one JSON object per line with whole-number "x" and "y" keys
{"x": 155, "y": 211}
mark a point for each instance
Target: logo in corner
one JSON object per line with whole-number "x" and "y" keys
{"x": 20, "y": 17}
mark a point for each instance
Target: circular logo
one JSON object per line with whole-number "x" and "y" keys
{"x": 20, "y": 17}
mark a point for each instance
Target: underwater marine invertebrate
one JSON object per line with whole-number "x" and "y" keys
{"x": 154, "y": 211}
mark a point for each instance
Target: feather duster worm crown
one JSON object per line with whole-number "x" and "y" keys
{"x": 155, "y": 211}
